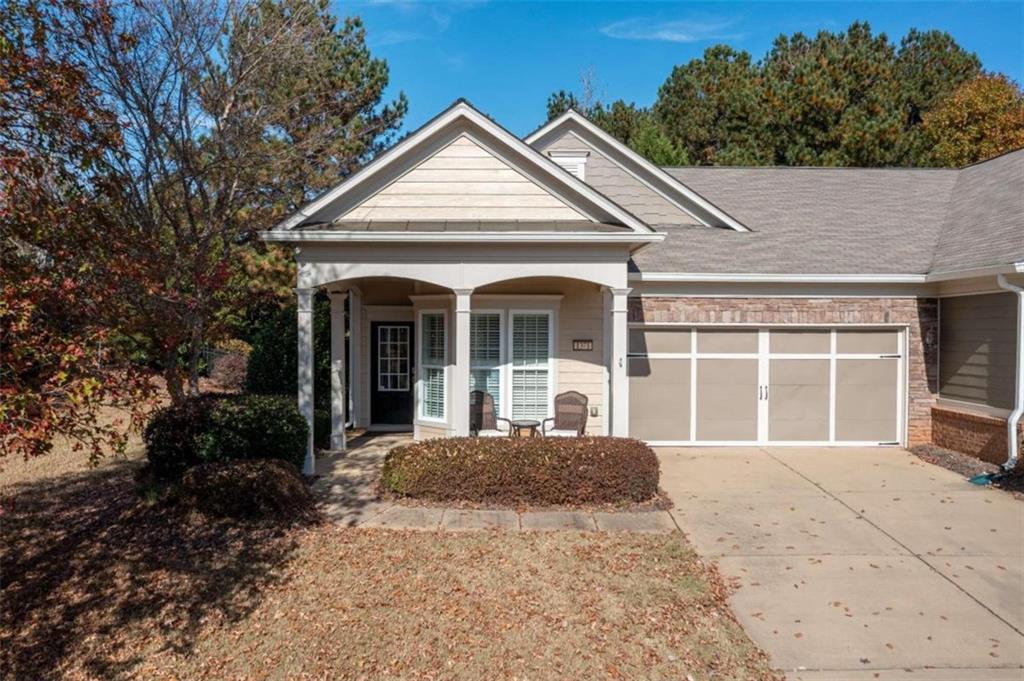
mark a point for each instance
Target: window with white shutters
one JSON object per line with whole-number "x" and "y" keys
{"x": 531, "y": 370}
{"x": 485, "y": 355}
{"x": 433, "y": 357}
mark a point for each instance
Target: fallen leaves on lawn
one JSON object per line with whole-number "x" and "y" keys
{"x": 98, "y": 585}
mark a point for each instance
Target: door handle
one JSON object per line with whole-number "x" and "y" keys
{"x": 760, "y": 392}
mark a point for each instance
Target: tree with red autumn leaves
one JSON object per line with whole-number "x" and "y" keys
{"x": 144, "y": 145}
{"x": 58, "y": 245}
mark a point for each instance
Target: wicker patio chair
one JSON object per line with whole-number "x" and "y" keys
{"x": 483, "y": 422}
{"x": 570, "y": 419}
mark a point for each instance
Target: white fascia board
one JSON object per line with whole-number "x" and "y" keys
{"x": 464, "y": 110}
{"x": 572, "y": 115}
{"x": 460, "y": 237}
{"x": 992, "y": 270}
{"x": 780, "y": 278}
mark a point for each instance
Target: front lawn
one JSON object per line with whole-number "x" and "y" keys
{"x": 98, "y": 585}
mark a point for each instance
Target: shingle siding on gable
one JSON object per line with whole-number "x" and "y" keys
{"x": 608, "y": 178}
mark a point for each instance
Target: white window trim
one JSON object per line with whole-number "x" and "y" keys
{"x": 552, "y": 366}
{"x": 420, "y": 365}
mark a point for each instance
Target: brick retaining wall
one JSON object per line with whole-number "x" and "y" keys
{"x": 974, "y": 434}
{"x": 920, "y": 316}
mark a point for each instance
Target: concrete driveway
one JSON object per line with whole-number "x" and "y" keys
{"x": 859, "y": 563}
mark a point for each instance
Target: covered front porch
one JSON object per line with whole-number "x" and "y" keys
{"x": 410, "y": 340}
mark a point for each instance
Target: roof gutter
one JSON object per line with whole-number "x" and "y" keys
{"x": 1013, "y": 440}
{"x": 1007, "y": 268}
{"x": 329, "y": 236}
{"x": 747, "y": 277}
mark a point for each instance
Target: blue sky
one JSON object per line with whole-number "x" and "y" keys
{"x": 507, "y": 57}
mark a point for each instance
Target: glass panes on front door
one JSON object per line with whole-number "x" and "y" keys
{"x": 393, "y": 358}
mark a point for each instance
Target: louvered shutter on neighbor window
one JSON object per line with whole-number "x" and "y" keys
{"x": 485, "y": 355}
{"x": 432, "y": 368}
{"x": 530, "y": 340}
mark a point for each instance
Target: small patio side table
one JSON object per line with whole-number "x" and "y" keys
{"x": 525, "y": 427}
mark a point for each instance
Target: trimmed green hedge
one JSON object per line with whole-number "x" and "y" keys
{"x": 554, "y": 470}
{"x": 217, "y": 428}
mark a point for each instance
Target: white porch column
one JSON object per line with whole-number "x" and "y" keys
{"x": 619, "y": 360}
{"x": 305, "y": 321}
{"x": 460, "y": 371}
{"x": 355, "y": 344}
{"x": 339, "y": 398}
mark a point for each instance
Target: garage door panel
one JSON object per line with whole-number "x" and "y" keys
{"x": 659, "y": 399}
{"x": 867, "y": 341}
{"x": 867, "y": 398}
{"x": 653, "y": 341}
{"x": 659, "y": 429}
{"x": 798, "y": 407}
{"x": 727, "y": 399}
{"x": 800, "y": 341}
{"x": 731, "y": 341}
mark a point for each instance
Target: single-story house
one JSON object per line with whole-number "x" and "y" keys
{"x": 690, "y": 305}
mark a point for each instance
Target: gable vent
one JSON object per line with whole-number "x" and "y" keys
{"x": 573, "y": 161}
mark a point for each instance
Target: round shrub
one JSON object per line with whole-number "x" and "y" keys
{"x": 543, "y": 471}
{"x": 261, "y": 488}
{"x": 214, "y": 428}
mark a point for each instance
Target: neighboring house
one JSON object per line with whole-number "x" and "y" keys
{"x": 694, "y": 305}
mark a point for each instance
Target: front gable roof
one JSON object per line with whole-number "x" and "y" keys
{"x": 461, "y": 169}
{"x": 670, "y": 188}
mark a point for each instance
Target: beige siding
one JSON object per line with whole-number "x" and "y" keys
{"x": 610, "y": 179}
{"x": 977, "y": 349}
{"x": 581, "y": 317}
{"x": 428, "y": 432}
{"x": 463, "y": 181}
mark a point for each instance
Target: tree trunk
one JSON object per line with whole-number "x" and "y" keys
{"x": 173, "y": 377}
{"x": 195, "y": 349}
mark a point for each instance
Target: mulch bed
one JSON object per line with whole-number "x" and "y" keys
{"x": 969, "y": 466}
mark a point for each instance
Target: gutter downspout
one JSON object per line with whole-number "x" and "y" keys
{"x": 1018, "y": 409}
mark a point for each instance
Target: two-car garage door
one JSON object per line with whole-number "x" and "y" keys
{"x": 740, "y": 385}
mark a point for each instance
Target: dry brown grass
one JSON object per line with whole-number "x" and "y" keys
{"x": 98, "y": 584}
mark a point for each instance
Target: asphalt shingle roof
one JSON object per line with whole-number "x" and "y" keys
{"x": 849, "y": 220}
{"x": 985, "y": 221}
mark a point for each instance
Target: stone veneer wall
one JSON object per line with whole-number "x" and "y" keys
{"x": 981, "y": 436}
{"x": 919, "y": 314}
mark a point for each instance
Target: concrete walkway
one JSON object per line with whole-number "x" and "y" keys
{"x": 347, "y": 487}
{"x": 859, "y": 563}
